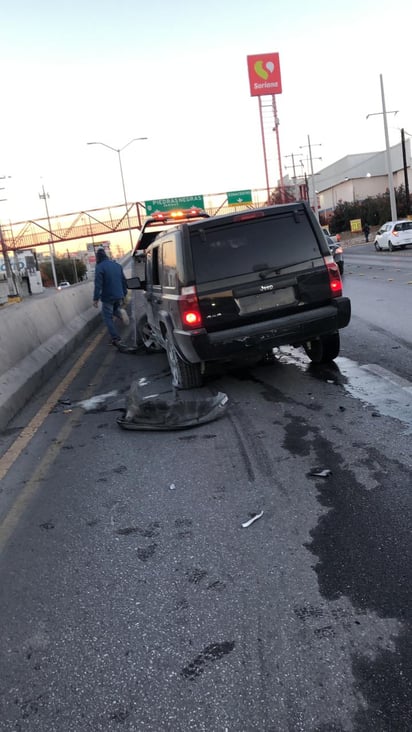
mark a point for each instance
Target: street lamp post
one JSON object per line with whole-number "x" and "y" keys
{"x": 119, "y": 151}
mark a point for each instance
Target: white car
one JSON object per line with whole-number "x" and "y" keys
{"x": 394, "y": 235}
{"x": 335, "y": 237}
{"x": 61, "y": 285}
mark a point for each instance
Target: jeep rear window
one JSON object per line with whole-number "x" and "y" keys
{"x": 252, "y": 246}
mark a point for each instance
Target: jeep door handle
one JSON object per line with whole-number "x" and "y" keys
{"x": 152, "y": 298}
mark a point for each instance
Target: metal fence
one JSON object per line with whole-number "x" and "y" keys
{"x": 104, "y": 221}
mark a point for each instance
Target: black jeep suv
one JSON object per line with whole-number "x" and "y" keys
{"x": 230, "y": 288}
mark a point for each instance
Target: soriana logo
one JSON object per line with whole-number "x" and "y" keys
{"x": 264, "y": 74}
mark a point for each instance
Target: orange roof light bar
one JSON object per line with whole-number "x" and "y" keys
{"x": 178, "y": 213}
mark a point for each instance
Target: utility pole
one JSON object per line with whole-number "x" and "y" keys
{"x": 392, "y": 198}
{"x": 74, "y": 263}
{"x": 312, "y": 195}
{"x": 295, "y": 180}
{"x": 276, "y": 131}
{"x": 405, "y": 172}
{"x": 11, "y": 279}
{"x": 9, "y": 272}
{"x": 45, "y": 196}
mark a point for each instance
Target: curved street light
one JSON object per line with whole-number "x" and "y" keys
{"x": 119, "y": 150}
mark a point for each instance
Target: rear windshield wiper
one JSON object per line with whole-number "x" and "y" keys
{"x": 268, "y": 272}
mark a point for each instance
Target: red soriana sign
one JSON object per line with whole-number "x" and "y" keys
{"x": 264, "y": 74}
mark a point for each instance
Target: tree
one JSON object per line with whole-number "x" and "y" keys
{"x": 282, "y": 195}
{"x": 66, "y": 269}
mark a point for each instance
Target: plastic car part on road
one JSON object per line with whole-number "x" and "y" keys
{"x": 163, "y": 414}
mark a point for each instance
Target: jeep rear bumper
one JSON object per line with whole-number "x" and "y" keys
{"x": 263, "y": 336}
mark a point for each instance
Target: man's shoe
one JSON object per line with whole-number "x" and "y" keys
{"x": 124, "y": 316}
{"x": 116, "y": 342}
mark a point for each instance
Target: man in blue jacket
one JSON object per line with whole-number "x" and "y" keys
{"x": 110, "y": 287}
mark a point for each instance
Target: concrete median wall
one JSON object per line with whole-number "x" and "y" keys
{"x": 36, "y": 336}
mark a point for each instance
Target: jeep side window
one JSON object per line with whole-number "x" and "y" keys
{"x": 155, "y": 265}
{"x": 148, "y": 267}
{"x": 168, "y": 265}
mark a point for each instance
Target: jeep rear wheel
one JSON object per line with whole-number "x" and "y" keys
{"x": 323, "y": 349}
{"x": 184, "y": 375}
{"x": 146, "y": 336}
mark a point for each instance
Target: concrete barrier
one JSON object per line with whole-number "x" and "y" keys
{"x": 4, "y": 292}
{"x": 35, "y": 337}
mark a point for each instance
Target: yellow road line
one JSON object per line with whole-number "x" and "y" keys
{"x": 9, "y": 458}
{"x": 12, "y": 518}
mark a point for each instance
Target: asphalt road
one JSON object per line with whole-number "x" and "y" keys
{"x": 131, "y": 596}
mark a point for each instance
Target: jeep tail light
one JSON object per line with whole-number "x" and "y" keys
{"x": 189, "y": 308}
{"x": 394, "y": 232}
{"x": 335, "y": 280}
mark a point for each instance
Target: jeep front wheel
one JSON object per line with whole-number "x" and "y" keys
{"x": 324, "y": 348}
{"x": 184, "y": 375}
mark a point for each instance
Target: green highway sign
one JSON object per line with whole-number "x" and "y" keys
{"x": 236, "y": 198}
{"x": 166, "y": 204}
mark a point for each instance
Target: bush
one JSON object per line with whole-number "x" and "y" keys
{"x": 374, "y": 210}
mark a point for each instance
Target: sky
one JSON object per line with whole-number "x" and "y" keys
{"x": 74, "y": 72}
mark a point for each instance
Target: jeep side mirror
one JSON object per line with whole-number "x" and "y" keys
{"x": 135, "y": 283}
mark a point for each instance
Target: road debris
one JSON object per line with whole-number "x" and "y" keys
{"x": 97, "y": 402}
{"x": 155, "y": 413}
{"x": 252, "y": 520}
{"x": 321, "y": 473}
{"x": 172, "y": 486}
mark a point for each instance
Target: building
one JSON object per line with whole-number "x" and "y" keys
{"x": 356, "y": 177}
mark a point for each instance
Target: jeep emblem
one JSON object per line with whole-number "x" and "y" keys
{"x": 265, "y": 288}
